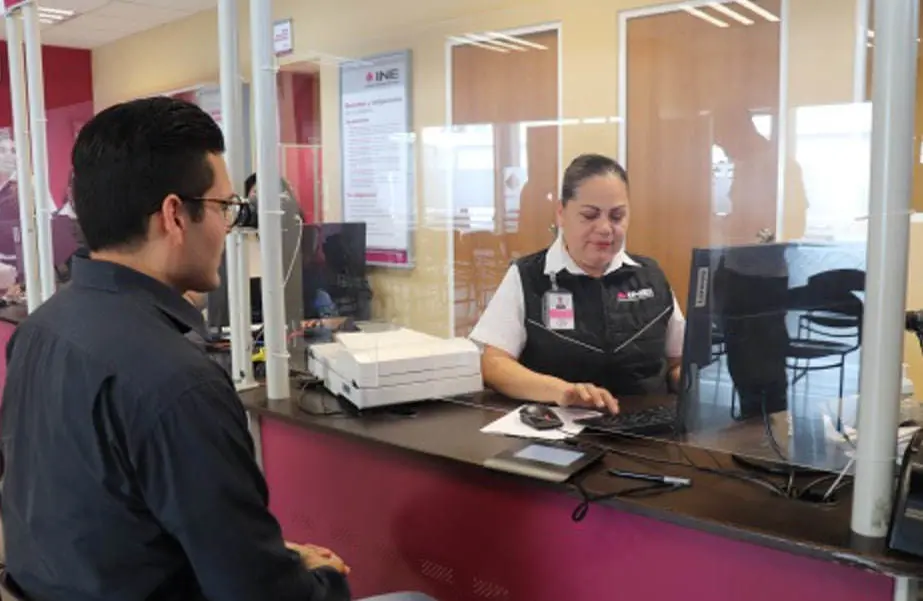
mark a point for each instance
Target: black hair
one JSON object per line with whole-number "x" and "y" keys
{"x": 131, "y": 156}
{"x": 249, "y": 184}
{"x": 586, "y": 166}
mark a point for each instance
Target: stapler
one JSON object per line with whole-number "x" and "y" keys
{"x": 905, "y": 532}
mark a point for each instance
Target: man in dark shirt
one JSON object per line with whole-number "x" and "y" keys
{"x": 129, "y": 470}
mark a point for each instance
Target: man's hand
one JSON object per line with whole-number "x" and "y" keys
{"x": 318, "y": 557}
{"x": 588, "y": 395}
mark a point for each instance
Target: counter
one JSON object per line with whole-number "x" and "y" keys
{"x": 404, "y": 497}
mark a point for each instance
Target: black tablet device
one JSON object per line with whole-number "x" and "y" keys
{"x": 544, "y": 460}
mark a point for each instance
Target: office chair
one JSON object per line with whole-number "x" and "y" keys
{"x": 829, "y": 324}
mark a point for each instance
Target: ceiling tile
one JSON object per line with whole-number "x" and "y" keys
{"x": 184, "y": 5}
{"x": 78, "y": 6}
{"x": 100, "y": 22}
{"x": 139, "y": 13}
{"x": 93, "y": 22}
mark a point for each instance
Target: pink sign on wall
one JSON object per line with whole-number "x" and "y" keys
{"x": 11, "y": 4}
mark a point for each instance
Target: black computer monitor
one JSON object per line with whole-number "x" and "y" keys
{"x": 736, "y": 318}
{"x": 334, "y": 275}
{"x": 773, "y": 335}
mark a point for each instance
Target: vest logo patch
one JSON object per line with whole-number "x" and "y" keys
{"x": 633, "y": 296}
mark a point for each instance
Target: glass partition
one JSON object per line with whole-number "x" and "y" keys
{"x": 437, "y": 150}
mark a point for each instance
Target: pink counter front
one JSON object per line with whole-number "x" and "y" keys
{"x": 465, "y": 534}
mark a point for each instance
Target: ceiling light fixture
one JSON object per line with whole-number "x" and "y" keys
{"x": 758, "y": 10}
{"x": 730, "y": 13}
{"x": 66, "y": 12}
{"x": 517, "y": 40}
{"x": 470, "y": 42}
{"x": 50, "y": 16}
{"x": 488, "y": 40}
{"x": 705, "y": 16}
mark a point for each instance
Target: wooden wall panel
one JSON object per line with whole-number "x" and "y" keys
{"x": 692, "y": 85}
{"x": 506, "y": 90}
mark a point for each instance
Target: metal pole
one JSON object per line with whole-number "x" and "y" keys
{"x": 315, "y": 173}
{"x": 894, "y": 95}
{"x": 43, "y": 203}
{"x": 23, "y": 163}
{"x": 269, "y": 190}
{"x": 906, "y": 589}
{"x": 232, "y": 123}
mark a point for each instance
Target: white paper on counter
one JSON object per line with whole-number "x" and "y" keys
{"x": 511, "y": 425}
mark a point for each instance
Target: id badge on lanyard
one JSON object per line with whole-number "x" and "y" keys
{"x": 558, "y": 307}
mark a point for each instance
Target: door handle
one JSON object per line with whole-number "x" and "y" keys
{"x": 765, "y": 236}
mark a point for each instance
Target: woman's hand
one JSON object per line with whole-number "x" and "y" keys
{"x": 506, "y": 375}
{"x": 587, "y": 395}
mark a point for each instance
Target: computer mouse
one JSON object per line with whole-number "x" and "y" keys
{"x": 540, "y": 417}
{"x": 908, "y": 423}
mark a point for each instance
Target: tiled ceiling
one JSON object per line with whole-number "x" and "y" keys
{"x": 99, "y": 22}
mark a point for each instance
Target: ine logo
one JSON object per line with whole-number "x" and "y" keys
{"x": 385, "y": 76}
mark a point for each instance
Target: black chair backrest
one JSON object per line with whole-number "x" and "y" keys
{"x": 831, "y": 291}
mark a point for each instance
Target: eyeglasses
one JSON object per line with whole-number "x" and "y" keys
{"x": 231, "y": 207}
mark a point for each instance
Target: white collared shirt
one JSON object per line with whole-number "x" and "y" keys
{"x": 503, "y": 324}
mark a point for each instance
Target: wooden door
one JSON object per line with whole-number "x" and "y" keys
{"x": 703, "y": 101}
{"x": 516, "y": 93}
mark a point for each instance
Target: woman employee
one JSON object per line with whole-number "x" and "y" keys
{"x": 581, "y": 322}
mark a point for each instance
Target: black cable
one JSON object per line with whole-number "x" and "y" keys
{"x": 734, "y": 475}
{"x": 806, "y": 490}
{"x": 587, "y": 499}
{"x": 307, "y": 384}
{"x": 632, "y": 455}
{"x": 772, "y": 436}
{"x": 767, "y": 484}
{"x": 807, "y": 487}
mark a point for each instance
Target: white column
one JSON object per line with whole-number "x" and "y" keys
{"x": 269, "y": 190}
{"x": 237, "y": 273}
{"x": 893, "y": 94}
{"x": 43, "y": 203}
{"x": 23, "y": 162}
{"x": 906, "y": 589}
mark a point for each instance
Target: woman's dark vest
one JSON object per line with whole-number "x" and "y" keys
{"x": 619, "y": 337}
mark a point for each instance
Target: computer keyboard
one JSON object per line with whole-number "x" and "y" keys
{"x": 660, "y": 419}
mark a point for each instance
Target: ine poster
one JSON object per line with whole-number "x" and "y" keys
{"x": 377, "y": 160}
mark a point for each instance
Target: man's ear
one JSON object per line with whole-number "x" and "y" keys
{"x": 172, "y": 215}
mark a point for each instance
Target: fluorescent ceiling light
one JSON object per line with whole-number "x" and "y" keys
{"x": 50, "y": 16}
{"x": 487, "y": 40}
{"x": 705, "y": 16}
{"x": 470, "y": 42}
{"x": 758, "y": 10}
{"x": 516, "y": 40}
{"x": 730, "y": 13}
{"x": 64, "y": 12}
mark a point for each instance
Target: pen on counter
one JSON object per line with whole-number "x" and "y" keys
{"x": 671, "y": 480}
